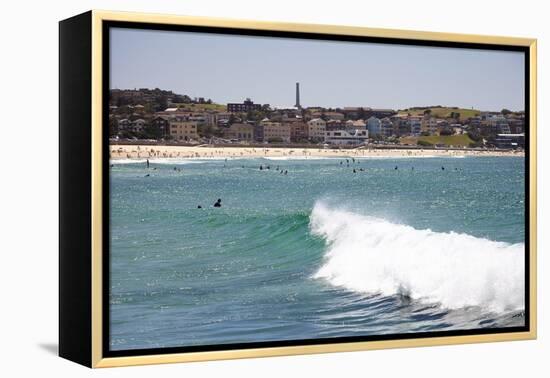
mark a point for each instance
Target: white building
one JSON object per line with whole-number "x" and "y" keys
{"x": 343, "y": 137}
{"x": 316, "y": 129}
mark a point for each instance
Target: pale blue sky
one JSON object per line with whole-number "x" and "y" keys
{"x": 333, "y": 74}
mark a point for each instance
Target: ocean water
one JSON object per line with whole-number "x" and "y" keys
{"x": 319, "y": 252}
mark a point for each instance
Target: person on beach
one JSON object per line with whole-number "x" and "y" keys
{"x": 218, "y": 203}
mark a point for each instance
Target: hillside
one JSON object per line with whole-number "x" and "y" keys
{"x": 442, "y": 112}
{"x": 200, "y": 107}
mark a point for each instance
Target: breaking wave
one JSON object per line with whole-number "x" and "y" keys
{"x": 371, "y": 255}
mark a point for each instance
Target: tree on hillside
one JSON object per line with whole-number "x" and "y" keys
{"x": 454, "y": 115}
{"x": 427, "y": 111}
{"x": 113, "y": 126}
{"x": 505, "y": 111}
{"x": 150, "y": 131}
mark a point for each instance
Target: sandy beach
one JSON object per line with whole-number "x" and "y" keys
{"x": 152, "y": 151}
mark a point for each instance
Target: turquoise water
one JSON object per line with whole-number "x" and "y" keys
{"x": 318, "y": 252}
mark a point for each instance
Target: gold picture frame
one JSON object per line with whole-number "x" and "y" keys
{"x": 89, "y": 329}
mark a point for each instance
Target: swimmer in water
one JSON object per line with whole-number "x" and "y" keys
{"x": 218, "y": 203}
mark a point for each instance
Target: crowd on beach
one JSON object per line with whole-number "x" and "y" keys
{"x": 186, "y": 152}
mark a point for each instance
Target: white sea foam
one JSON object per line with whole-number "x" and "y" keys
{"x": 397, "y": 157}
{"x": 298, "y": 157}
{"x": 169, "y": 161}
{"x": 371, "y": 255}
{"x": 126, "y": 161}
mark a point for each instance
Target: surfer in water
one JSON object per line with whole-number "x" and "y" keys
{"x": 147, "y": 162}
{"x": 218, "y": 203}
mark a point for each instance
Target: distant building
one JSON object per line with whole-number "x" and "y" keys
{"x": 356, "y": 125}
{"x": 138, "y": 125}
{"x": 275, "y": 131}
{"x": 124, "y": 124}
{"x": 498, "y": 124}
{"x": 386, "y": 127}
{"x": 211, "y": 118}
{"x": 400, "y": 126}
{"x": 182, "y": 130}
{"x": 240, "y": 131}
{"x": 343, "y": 137}
{"x": 162, "y": 124}
{"x": 415, "y": 125}
{"x": 316, "y": 129}
{"x": 442, "y": 124}
{"x": 429, "y": 125}
{"x": 517, "y": 125}
{"x": 298, "y": 131}
{"x": 375, "y": 126}
{"x": 510, "y": 141}
{"x": 247, "y": 106}
{"x": 334, "y": 124}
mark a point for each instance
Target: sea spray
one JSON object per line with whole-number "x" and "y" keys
{"x": 371, "y": 255}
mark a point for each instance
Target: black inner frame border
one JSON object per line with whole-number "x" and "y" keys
{"x": 107, "y": 25}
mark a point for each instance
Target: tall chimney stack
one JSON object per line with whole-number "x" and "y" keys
{"x": 298, "y": 96}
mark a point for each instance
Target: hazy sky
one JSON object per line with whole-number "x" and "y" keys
{"x": 333, "y": 74}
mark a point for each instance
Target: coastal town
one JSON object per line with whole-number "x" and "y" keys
{"x": 160, "y": 117}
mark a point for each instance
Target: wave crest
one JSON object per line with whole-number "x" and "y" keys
{"x": 371, "y": 255}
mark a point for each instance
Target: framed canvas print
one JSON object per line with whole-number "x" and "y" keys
{"x": 235, "y": 189}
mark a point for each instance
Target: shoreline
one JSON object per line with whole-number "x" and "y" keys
{"x": 122, "y": 152}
